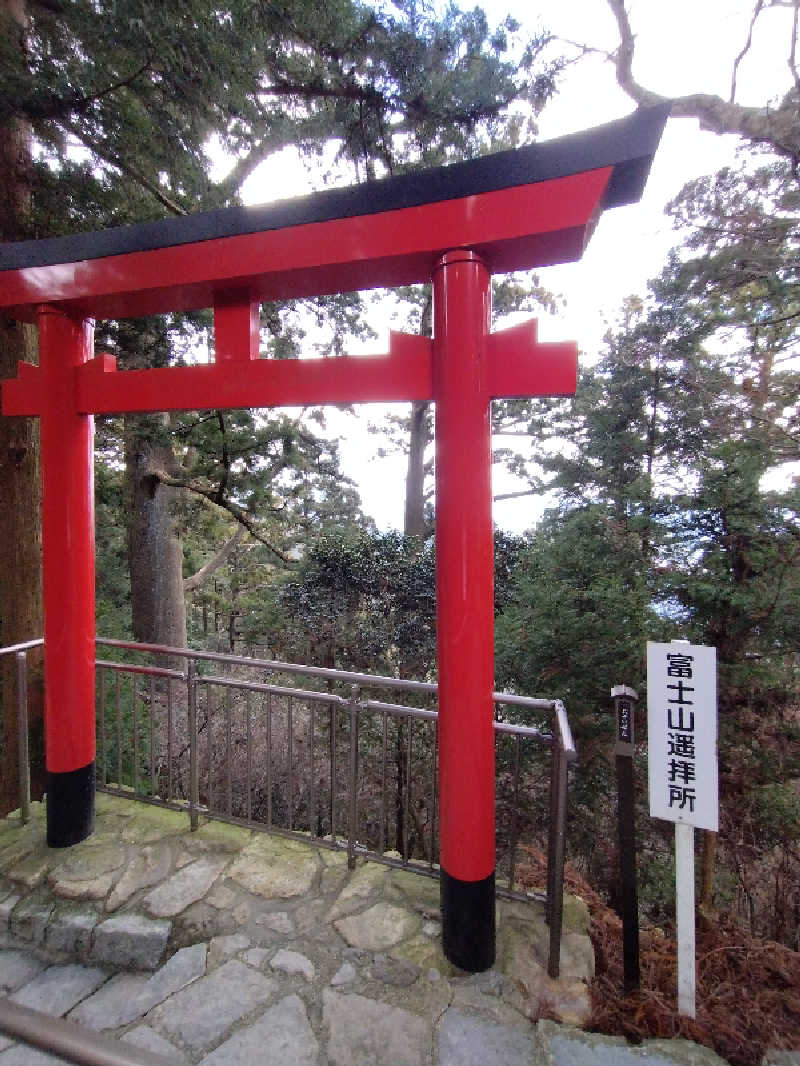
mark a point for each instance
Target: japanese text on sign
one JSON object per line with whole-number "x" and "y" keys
{"x": 682, "y": 733}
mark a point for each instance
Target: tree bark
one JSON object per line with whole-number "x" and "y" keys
{"x": 155, "y": 551}
{"x": 419, "y": 438}
{"x": 20, "y": 520}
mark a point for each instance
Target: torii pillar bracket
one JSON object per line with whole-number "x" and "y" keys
{"x": 454, "y": 226}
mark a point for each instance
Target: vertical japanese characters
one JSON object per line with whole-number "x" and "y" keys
{"x": 681, "y": 748}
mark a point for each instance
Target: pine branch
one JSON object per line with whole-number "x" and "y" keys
{"x": 60, "y": 106}
{"x": 126, "y": 168}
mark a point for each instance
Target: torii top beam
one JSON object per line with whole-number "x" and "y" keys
{"x": 518, "y": 209}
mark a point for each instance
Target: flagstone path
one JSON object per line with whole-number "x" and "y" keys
{"x": 227, "y": 946}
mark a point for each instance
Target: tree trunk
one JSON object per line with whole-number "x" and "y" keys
{"x": 418, "y": 440}
{"x": 155, "y": 552}
{"x": 20, "y": 567}
{"x": 20, "y": 519}
{"x": 419, "y": 437}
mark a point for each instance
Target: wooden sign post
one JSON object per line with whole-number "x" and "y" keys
{"x": 624, "y": 699}
{"x": 682, "y": 773}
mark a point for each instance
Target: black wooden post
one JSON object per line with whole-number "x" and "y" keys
{"x": 624, "y": 699}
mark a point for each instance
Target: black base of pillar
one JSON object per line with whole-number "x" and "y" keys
{"x": 468, "y": 923}
{"x": 70, "y": 806}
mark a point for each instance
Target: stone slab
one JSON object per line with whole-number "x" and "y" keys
{"x": 218, "y": 837}
{"x": 111, "y": 1005}
{"x": 199, "y": 1016}
{"x": 400, "y": 973}
{"x": 22, "y": 1055}
{"x": 89, "y": 870}
{"x": 465, "y": 1040}
{"x": 381, "y": 926}
{"x": 225, "y": 947}
{"x": 145, "y": 1037}
{"x": 31, "y": 872}
{"x": 6, "y": 909}
{"x": 365, "y": 1032}
{"x": 30, "y": 918}
{"x": 292, "y": 962}
{"x": 364, "y": 882}
{"x": 17, "y": 968}
{"x": 185, "y": 966}
{"x": 184, "y": 888}
{"x": 58, "y": 989}
{"x": 131, "y": 941}
{"x": 149, "y": 866}
{"x": 421, "y": 891}
{"x": 565, "y": 1046}
{"x": 275, "y": 868}
{"x": 281, "y": 1035}
{"x": 71, "y": 930}
{"x": 345, "y": 975}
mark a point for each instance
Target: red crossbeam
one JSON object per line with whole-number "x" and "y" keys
{"x": 518, "y": 366}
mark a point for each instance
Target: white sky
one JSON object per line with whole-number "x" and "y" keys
{"x": 682, "y": 46}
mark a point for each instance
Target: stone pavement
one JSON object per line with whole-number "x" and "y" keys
{"x": 226, "y": 947}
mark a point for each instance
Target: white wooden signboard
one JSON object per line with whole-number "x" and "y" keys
{"x": 682, "y": 734}
{"x": 682, "y": 773}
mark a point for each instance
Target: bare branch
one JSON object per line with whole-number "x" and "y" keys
{"x": 623, "y": 59}
{"x": 775, "y": 128}
{"x": 213, "y": 564}
{"x": 515, "y": 495}
{"x": 793, "y": 49}
{"x": 747, "y": 46}
{"x": 232, "y": 508}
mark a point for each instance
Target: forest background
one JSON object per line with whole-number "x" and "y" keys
{"x": 240, "y": 531}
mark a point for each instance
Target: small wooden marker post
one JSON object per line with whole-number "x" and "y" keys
{"x": 624, "y": 698}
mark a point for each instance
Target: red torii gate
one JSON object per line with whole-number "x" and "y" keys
{"x": 456, "y": 226}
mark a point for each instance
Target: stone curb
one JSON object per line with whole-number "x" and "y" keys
{"x": 129, "y": 941}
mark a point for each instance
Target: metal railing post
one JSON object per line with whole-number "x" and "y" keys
{"x": 355, "y": 707}
{"x": 552, "y": 828}
{"x": 22, "y": 726}
{"x": 557, "y": 850}
{"x": 194, "y": 781}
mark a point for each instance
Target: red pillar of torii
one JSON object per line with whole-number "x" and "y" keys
{"x": 454, "y": 226}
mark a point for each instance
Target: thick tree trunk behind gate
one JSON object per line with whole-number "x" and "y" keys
{"x": 155, "y": 553}
{"x": 20, "y": 522}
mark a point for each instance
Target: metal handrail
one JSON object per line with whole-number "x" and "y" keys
{"x": 429, "y": 688}
{"x": 560, "y": 741}
{"x": 20, "y": 651}
{"x": 70, "y": 1041}
{"x": 26, "y": 645}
